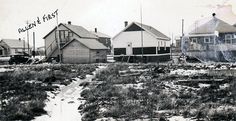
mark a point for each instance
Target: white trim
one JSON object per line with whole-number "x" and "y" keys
{"x": 122, "y": 31}
{"x": 200, "y": 35}
{"x": 168, "y": 39}
{"x": 165, "y": 45}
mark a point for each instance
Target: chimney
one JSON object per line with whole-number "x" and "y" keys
{"x": 95, "y": 30}
{"x": 126, "y": 23}
{"x": 69, "y": 22}
{"x": 213, "y": 14}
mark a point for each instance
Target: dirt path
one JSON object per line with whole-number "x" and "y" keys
{"x": 64, "y": 106}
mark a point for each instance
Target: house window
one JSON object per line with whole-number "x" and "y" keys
{"x": 234, "y": 36}
{"x": 159, "y": 45}
{"x": 64, "y": 35}
{"x": 207, "y": 40}
{"x": 1, "y": 52}
{"x": 70, "y": 34}
{"x": 228, "y": 38}
{"x": 234, "y": 39}
{"x": 194, "y": 40}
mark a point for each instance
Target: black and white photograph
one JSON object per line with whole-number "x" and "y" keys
{"x": 117, "y": 60}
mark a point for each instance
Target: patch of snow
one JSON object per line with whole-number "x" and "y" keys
{"x": 136, "y": 86}
{"x": 87, "y": 76}
{"x": 187, "y": 72}
{"x": 5, "y": 70}
{"x": 179, "y": 118}
{"x": 106, "y": 119}
{"x": 203, "y": 85}
{"x": 102, "y": 67}
{"x": 139, "y": 70}
{"x": 4, "y": 58}
{"x": 224, "y": 86}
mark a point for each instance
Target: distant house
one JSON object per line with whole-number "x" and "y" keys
{"x": 138, "y": 40}
{"x": 77, "y": 45}
{"x": 103, "y": 38}
{"x": 212, "y": 40}
{"x": 13, "y": 46}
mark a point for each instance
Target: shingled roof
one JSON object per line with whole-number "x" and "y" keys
{"x": 152, "y": 30}
{"x": 100, "y": 34}
{"x": 90, "y": 43}
{"x": 157, "y": 34}
{"x": 79, "y": 30}
{"x": 15, "y": 43}
{"x": 212, "y": 25}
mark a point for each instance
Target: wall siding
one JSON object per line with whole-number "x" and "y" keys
{"x": 76, "y": 52}
{"x": 49, "y": 39}
{"x": 134, "y": 37}
{"x": 98, "y": 56}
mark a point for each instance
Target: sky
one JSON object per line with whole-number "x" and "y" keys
{"x": 107, "y": 16}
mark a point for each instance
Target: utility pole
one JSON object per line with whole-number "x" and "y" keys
{"x": 27, "y": 22}
{"x": 182, "y": 36}
{"x": 23, "y": 41}
{"x": 141, "y": 17}
{"x": 171, "y": 47}
{"x": 182, "y": 27}
{"x": 58, "y": 41}
{"x": 33, "y": 52}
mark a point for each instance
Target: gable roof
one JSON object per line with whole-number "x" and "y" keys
{"x": 99, "y": 34}
{"x": 15, "y": 43}
{"x": 157, "y": 34}
{"x": 152, "y": 30}
{"x": 212, "y": 25}
{"x": 78, "y": 30}
{"x": 90, "y": 43}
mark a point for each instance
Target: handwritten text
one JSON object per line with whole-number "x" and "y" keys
{"x": 38, "y": 21}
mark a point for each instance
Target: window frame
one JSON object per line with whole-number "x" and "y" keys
{"x": 228, "y": 38}
{"x": 194, "y": 39}
{"x": 205, "y": 38}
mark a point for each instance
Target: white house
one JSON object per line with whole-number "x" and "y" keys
{"x": 137, "y": 40}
